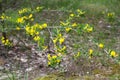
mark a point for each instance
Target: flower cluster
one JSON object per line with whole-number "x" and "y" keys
{"x": 27, "y": 14}
{"x": 54, "y": 60}
{"x": 64, "y": 24}
{"x": 69, "y": 24}
{"x": 78, "y": 13}
{"x": 77, "y": 55}
{"x": 4, "y": 17}
{"x": 20, "y": 20}
{"x": 25, "y": 18}
{"x": 58, "y": 44}
{"x": 35, "y": 30}
{"x": 59, "y": 39}
{"x": 111, "y": 15}
{"x": 28, "y": 10}
{"x": 6, "y": 42}
{"x": 88, "y": 28}
{"x": 112, "y": 53}
{"x": 24, "y": 10}
{"x": 61, "y": 49}
{"x": 38, "y": 8}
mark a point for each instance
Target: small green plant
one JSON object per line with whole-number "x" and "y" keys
{"x": 111, "y": 16}
{"x": 54, "y": 60}
{"x": 11, "y": 75}
{"x": 15, "y": 76}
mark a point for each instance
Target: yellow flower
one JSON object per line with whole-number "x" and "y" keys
{"x": 2, "y": 38}
{"x": 80, "y": 12}
{"x": 49, "y": 63}
{"x": 86, "y": 26}
{"x": 59, "y": 35}
{"x": 36, "y": 25}
{"x": 5, "y": 41}
{"x": 90, "y": 29}
{"x": 90, "y": 52}
{"x": 49, "y": 57}
{"x": 54, "y": 57}
{"x": 74, "y": 25}
{"x": 72, "y": 15}
{"x": 32, "y": 19}
{"x": 44, "y": 25}
{"x": 25, "y": 17}
{"x": 24, "y": 10}
{"x": 58, "y": 61}
{"x": 64, "y": 23}
{"x": 101, "y": 45}
{"x": 68, "y": 29}
{"x": 78, "y": 54}
{"x": 18, "y": 28}
{"x": 40, "y": 27}
{"x": 36, "y": 38}
{"x": 61, "y": 40}
{"x": 64, "y": 47}
{"x": 30, "y": 16}
{"x": 59, "y": 54}
{"x": 44, "y": 47}
{"x": 111, "y": 14}
{"x": 55, "y": 40}
{"x": 32, "y": 32}
{"x": 36, "y": 32}
{"x": 113, "y": 54}
{"x": 3, "y": 16}
{"x": 27, "y": 28}
{"x": 20, "y": 20}
{"x": 20, "y": 12}
{"x": 39, "y": 8}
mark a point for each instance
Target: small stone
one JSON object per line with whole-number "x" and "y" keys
{"x": 1, "y": 68}
{"x": 88, "y": 72}
{"x": 23, "y": 60}
{"x": 108, "y": 26}
{"x": 29, "y": 69}
{"x": 10, "y": 52}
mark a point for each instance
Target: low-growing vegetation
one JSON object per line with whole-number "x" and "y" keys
{"x": 64, "y": 39}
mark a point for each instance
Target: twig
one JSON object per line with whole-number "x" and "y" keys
{"x": 106, "y": 51}
{"x": 50, "y": 42}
